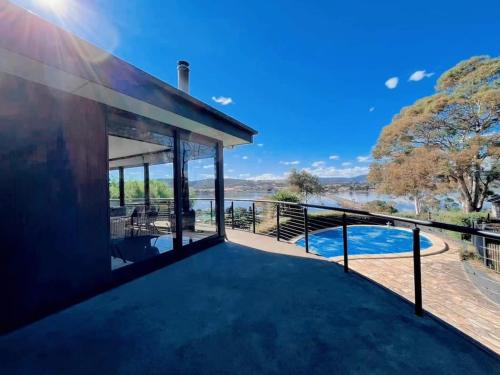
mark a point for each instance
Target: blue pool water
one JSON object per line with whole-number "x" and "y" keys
{"x": 363, "y": 240}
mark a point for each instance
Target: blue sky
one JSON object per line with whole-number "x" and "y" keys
{"x": 311, "y": 77}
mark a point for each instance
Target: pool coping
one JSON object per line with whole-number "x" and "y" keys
{"x": 438, "y": 246}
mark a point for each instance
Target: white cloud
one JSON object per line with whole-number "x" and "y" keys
{"x": 346, "y": 163}
{"x": 334, "y": 157}
{"x": 224, "y": 100}
{"x": 419, "y": 75}
{"x": 318, "y": 164}
{"x": 392, "y": 83}
{"x": 294, "y": 162}
{"x": 364, "y": 159}
{"x": 268, "y": 176}
{"x": 371, "y": 109}
{"x": 230, "y": 171}
{"x": 260, "y": 144}
{"x": 207, "y": 175}
{"x": 338, "y": 172}
{"x": 244, "y": 175}
{"x": 208, "y": 166}
{"x": 244, "y": 157}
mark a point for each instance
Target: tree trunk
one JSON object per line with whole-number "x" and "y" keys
{"x": 465, "y": 196}
{"x": 473, "y": 200}
{"x": 416, "y": 200}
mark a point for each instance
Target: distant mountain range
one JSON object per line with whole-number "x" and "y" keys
{"x": 262, "y": 185}
{"x": 324, "y": 180}
{"x": 363, "y": 179}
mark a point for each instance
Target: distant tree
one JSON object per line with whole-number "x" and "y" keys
{"x": 159, "y": 189}
{"x": 114, "y": 189}
{"x": 305, "y": 183}
{"x": 459, "y": 129}
{"x": 134, "y": 189}
{"x": 380, "y": 206}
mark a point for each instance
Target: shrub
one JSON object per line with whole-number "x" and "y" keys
{"x": 380, "y": 207}
{"x": 286, "y": 196}
{"x": 467, "y": 252}
{"x": 459, "y": 218}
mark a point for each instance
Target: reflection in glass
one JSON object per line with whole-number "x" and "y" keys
{"x": 142, "y": 214}
{"x": 198, "y": 190}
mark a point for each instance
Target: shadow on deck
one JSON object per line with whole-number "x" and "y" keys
{"x": 233, "y": 309}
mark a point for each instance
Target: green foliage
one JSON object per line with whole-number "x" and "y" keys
{"x": 456, "y": 217}
{"x": 114, "y": 189}
{"x": 305, "y": 183}
{"x": 158, "y": 189}
{"x": 459, "y": 218}
{"x": 380, "y": 206}
{"x": 285, "y": 195}
{"x": 135, "y": 189}
{"x": 449, "y": 141}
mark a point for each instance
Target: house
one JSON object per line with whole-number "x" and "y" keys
{"x": 72, "y": 118}
{"x": 495, "y": 206}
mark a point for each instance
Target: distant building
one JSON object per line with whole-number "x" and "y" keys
{"x": 495, "y": 206}
{"x": 77, "y": 122}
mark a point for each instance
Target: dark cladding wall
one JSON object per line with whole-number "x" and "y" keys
{"x": 53, "y": 194}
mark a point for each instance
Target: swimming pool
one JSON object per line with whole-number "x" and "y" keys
{"x": 363, "y": 240}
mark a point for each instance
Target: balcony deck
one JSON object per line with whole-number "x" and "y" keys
{"x": 235, "y": 309}
{"x": 448, "y": 292}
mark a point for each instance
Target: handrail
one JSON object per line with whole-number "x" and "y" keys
{"x": 290, "y": 228}
{"x": 428, "y": 223}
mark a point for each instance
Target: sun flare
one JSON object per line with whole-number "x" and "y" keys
{"x": 55, "y": 5}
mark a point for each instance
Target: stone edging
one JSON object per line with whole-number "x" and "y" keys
{"x": 438, "y": 246}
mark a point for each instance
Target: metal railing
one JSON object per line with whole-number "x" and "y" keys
{"x": 288, "y": 221}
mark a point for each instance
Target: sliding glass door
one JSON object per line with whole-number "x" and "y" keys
{"x": 142, "y": 205}
{"x": 145, "y": 189}
{"x": 198, "y": 188}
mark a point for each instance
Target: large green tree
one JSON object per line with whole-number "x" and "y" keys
{"x": 305, "y": 183}
{"x": 458, "y": 127}
{"x": 415, "y": 174}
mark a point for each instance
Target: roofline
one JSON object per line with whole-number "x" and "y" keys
{"x": 77, "y": 52}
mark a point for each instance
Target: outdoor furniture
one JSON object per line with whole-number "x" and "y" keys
{"x": 164, "y": 219}
{"x": 118, "y": 227}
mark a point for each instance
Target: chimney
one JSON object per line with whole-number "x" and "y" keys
{"x": 183, "y": 76}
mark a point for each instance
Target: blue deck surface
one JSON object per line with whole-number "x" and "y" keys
{"x": 236, "y": 310}
{"x": 363, "y": 240}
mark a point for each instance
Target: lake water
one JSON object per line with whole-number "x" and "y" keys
{"x": 402, "y": 204}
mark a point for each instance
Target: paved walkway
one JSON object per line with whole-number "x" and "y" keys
{"x": 447, "y": 291}
{"x": 237, "y": 310}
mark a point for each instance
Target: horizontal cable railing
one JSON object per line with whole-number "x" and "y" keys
{"x": 290, "y": 221}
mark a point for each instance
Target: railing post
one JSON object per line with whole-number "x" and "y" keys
{"x": 253, "y": 216}
{"x": 211, "y": 212}
{"x": 306, "y": 229}
{"x": 232, "y": 214}
{"x": 344, "y": 238}
{"x": 417, "y": 271}
{"x": 278, "y": 221}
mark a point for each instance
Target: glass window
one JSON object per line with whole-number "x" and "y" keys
{"x": 134, "y": 185}
{"x": 198, "y": 190}
{"x": 142, "y": 214}
{"x": 114, "y": 188}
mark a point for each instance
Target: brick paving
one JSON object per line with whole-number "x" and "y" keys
{"x": 448, "y": 293}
